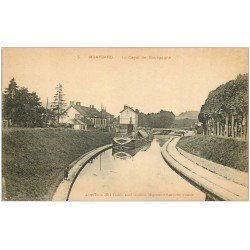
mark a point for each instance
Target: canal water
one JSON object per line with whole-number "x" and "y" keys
{"x": 139, "y": 174}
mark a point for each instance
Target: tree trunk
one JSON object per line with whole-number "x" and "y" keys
{"x": 236, "y": 129}
{"x": 232, "y": 126}
{"x": 246, "y": 127}
{"x": 241, "y": 134}
{"x": 218, "y": 129}
{"x": 226, "y": 126}
{"x": 213, "y": 126}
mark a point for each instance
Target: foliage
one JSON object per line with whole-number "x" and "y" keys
{"x": 21, "y": 107}
{"x": 163, "y": 119}
{"x": 58, "y": 105}
{"x": 230, "y": 98}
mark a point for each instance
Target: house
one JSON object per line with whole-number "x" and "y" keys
{"x": 84, "y": 118}
{"x": 128, "y": 120}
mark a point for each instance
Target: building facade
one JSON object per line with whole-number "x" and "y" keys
{"x": 84, "y": 118}
{"x": 128, "y": 120}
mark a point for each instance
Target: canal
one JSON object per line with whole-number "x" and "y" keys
{"x": 139, "y": 174}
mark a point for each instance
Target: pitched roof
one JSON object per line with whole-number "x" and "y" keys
{"x": 89, "y": 111}
{"x": 127, "y": 107}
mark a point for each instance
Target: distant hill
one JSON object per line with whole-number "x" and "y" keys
{"x": 184, "y": 123}
{"x": 188, "y": 115}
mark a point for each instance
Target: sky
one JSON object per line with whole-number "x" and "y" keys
{"x": 149, "y": 79}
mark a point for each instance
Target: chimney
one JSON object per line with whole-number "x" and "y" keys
{"x": 78, "y": 103}
{"x": 71, "y": 103}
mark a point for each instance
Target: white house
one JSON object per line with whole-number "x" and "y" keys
{"x": 82, "y": 117}
{"x": 128, "y": 120}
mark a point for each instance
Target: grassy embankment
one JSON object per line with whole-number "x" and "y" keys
{"x": 33, "y": 160}
{"x": 226, "y": 151}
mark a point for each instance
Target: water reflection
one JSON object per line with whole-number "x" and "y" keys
{"x": 132, "y": 174}
{"x": 123, "y": 153}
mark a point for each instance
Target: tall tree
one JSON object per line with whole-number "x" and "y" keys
{"x": 22, "y": 108}
{"x": 226, "y": 106}
{"x": 10, "y": 101}
{"x": 59, "y": 104}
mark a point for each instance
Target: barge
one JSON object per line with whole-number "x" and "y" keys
{"x": 133, "y": 141}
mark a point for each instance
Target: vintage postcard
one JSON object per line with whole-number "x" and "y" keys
{"x": 125, "y": 124}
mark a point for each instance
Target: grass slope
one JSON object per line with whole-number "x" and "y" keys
{"x": 33, "y": 160}
{"x": 228, "y": 152}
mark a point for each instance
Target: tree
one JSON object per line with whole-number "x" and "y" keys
{"x": 10, "y": 101}
{"x": 22, "y": 108}
{"x": 227, "y": 107}
{"x": 163, "y": 119}
{"x": 59, "y": 104}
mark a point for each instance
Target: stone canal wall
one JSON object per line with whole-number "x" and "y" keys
{"x": 63, "y": 191}
{"x": 214, "y": 185}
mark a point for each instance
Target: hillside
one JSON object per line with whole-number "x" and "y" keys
{"x": 33, "y": 160}
{"x": 225, "y": 151}
{"x": 193, "y": 115}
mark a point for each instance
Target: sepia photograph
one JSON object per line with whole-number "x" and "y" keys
{"x": 125, "y": 124}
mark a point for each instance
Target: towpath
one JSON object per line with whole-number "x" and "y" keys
{"x": 219, "y": 181}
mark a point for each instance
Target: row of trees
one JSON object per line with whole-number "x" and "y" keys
{"x": 163, "y": 119}
{"x": 22, "y": 108}
{"x": 225, "y": 112}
